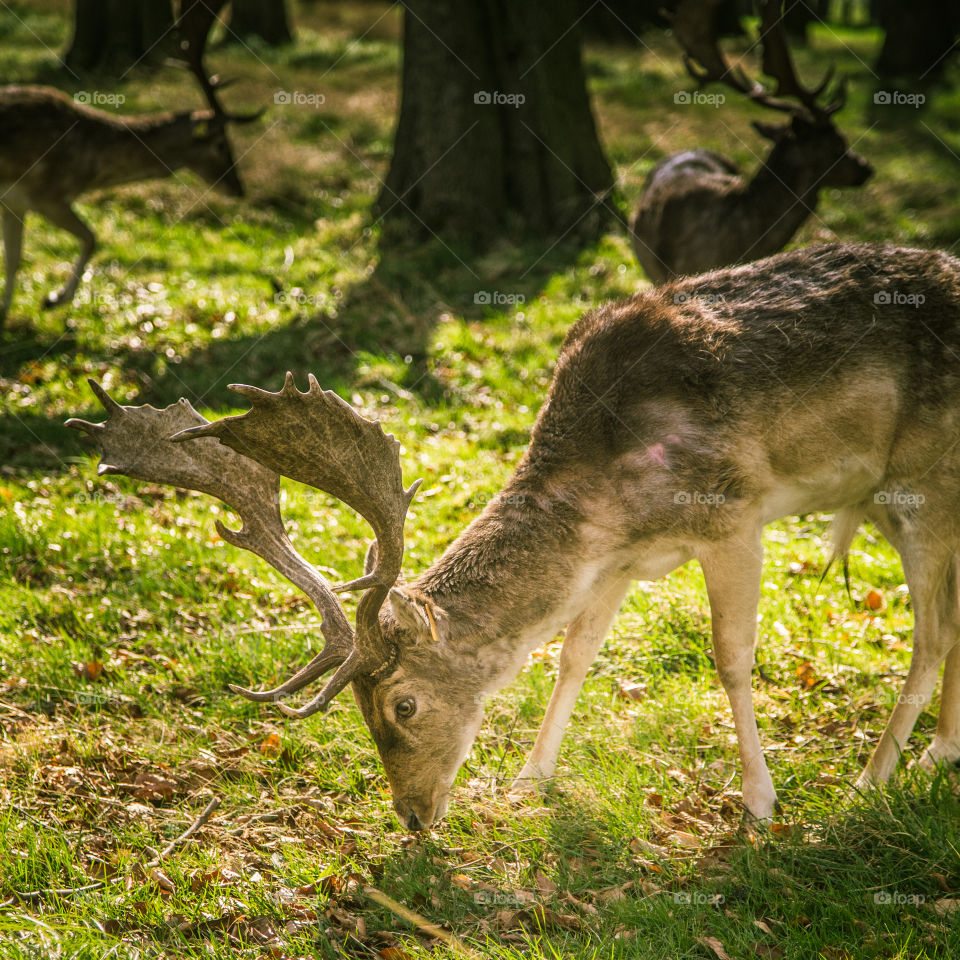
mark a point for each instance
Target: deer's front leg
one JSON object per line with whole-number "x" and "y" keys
{"x": 12, "y": 246}
{"x": 584, "y": 637}
{"x": 732, "y": 571}
{"x": 62, "y": 215}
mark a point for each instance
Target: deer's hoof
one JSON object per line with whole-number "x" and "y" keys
{"x": 54, "y": 299}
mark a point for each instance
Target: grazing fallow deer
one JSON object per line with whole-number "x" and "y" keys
{"x": 697, "y": 211}
{"x": 53, "y": 149}
{"x": 679, "y": 423}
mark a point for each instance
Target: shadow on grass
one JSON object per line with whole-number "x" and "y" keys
{"x": 868, "y": 880}
{"x": 390, "y": 315}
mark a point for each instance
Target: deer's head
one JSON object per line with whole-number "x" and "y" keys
{"x": 408, "y": 682}
{"x": 816, "y": 145}
{"x": 810, "y": 140}
{"x": 206, "y": 150}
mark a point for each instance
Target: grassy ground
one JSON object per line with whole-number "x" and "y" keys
{"x": 122, "y": 617}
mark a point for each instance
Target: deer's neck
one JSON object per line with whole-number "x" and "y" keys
{"x": 510, "y": 581}
{"x": 782, "y": 194}
{"x": 142, "y": 148}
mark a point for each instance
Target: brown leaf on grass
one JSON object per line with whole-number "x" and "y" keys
{"x": 874, "y": 600}
{"x": 162, "y": 880}
{"x": 151, "y": 786}
{"x": 638, "y": 846}
{"x": 807, "y": 675}
{"x": 764, "y": 950}
{"x": 946, "y": 906}
{"x": 615, "y": 894}
{"x": 715, "y": 945}
{"x": 684, "y": 839}
{"x": 572, "y": 901}
{"x": 89, "y": 671}
{"x": 761, "y": 925}
{"x": 632, "y": 691}
{"x": 394, "y": 953}
{"x": 271, "y": 745}
{"x": 544, "y": 884}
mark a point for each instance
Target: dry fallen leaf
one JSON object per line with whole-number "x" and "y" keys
{"x": 88, "y": 671}
{"x": 764, "y": 950}
{"x": 544, "y": 884}
{"x": 874, "y": 600}
{"x": 271, "y": 745}
{"x": 715, "y": 945}
{"x": 153, "y": 786}
{"x": 644, "y": 846}
{"x": 632, "y": 691}
{"x": 946, "y": 905}
{"x": 162, "y": 880}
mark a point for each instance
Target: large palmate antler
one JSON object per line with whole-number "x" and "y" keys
{"x": 694, "y": 25}
{"x": 314, "y": 437}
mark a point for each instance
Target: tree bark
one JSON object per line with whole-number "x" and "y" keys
{"x": 111, "y": 36}
{"x": 264, "y": 19}
{"x": 495, "y": 127}
{"x": 919, "y": 38}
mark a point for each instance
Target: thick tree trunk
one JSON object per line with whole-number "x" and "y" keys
{"x": 495, "y": 127}
{"x": 264, "y": 19}
{"x": 111, "y": 36}
{"x": 920, "y": 36}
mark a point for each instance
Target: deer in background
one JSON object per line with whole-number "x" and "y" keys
{"x": 53, "y": 149}
{"x": 697, "y": 210}
{"x": 678, "y": 424}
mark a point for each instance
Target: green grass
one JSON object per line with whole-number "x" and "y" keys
{"x": 123, "y": 617}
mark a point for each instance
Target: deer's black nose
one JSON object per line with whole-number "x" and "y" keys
{"x": 407, "y": 816}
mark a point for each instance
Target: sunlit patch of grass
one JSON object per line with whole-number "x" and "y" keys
{"x": 123, "y": 616}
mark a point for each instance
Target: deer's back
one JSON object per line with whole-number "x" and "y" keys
{"x": 45, "y": 135}
{"x": 825, "y": 368}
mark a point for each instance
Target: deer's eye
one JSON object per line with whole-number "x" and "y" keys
{"x": 405, "y": 709}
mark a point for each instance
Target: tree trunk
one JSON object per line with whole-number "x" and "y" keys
{"x": 264, "y": 19}
{"x": 920, "y": 36}
{"x": 495, "y": 127}
{"x": 111, "y": 36}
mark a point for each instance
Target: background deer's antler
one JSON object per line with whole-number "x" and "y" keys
{"x": 195, "y": 20}
{"x": 694, "y": 26}
{"x": 314, "y": 437}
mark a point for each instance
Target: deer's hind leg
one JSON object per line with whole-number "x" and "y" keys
{"x": 583, "y": 639}
{"x": 62, "y": 215}
{"x": 12, "y": 248}
{"x": 945, "y": 747}
{"x": 930, "y": 568}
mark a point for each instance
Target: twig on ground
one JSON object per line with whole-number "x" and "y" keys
{"x": 53, "y": 892}
{"x": 421, "y": 922}
{"x": 189, "y": 832}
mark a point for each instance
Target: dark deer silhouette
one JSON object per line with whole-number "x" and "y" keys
{"x": 697, "y": 210}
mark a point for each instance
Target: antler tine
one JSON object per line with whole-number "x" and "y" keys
{"x": 694, "y": 25}
{"x": 136, "y": 441}
{"x": 317, "y": 667}
{"x": 194, "y": 24}
{"x": 778, "y": 62}
{"x": 325, "y": 697}
{"x": 319, "y": 439}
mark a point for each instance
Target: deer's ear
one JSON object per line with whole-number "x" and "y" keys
{"x": 769, "y": 130}
{"x": 424, "y": 620}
